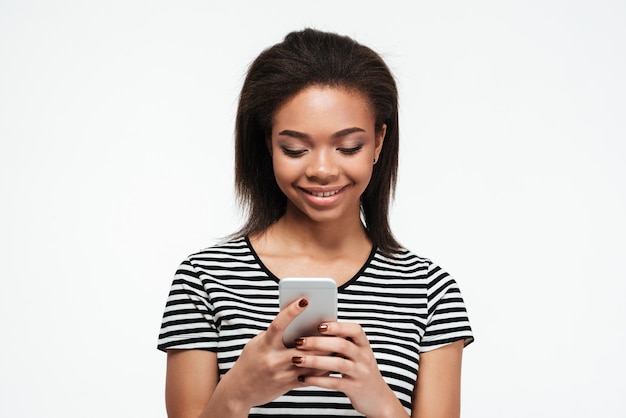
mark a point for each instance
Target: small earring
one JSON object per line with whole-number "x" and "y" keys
{"x": 374, "y": 160}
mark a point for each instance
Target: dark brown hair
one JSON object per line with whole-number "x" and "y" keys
{"x": 306, "y": 58}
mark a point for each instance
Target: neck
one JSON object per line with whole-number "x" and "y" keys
{"x": 300, "y": 232}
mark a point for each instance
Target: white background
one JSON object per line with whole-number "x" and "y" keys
{"x": 116, "y": 137}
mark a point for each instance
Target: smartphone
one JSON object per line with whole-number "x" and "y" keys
{"x": 321, "y": 292}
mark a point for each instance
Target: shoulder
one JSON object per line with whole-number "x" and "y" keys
{"x": 401, "y": 261}
{"x": 407, "y": 264}
{"x": 237, "y": 249}
{"x": 224, "y": 255}
{"x": 231, "y": 247}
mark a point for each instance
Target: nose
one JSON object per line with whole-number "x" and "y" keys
{"x": 322, "y": 166}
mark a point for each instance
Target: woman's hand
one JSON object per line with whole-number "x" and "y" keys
{"x": 360, "y": 379}
{"x": 264, "y": 371}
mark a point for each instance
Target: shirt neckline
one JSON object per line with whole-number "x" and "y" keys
{"x": 343, "y": 286}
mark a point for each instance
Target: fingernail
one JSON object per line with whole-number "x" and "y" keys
{"x": 297, "y": 360}
{"x": 303, "y": 302}
{"x": 300, "y": 342}
{"x": 301, "y": 378}
{"x": 322, "y": 328}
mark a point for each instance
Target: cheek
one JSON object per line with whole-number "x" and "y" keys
{"x": 363, "y": 169}
{"x": 283, "y": 173}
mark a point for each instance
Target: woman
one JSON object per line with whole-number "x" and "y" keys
{"x": 316, "y": 165}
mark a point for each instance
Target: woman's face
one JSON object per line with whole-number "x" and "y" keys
{"x": 323, "y": 147}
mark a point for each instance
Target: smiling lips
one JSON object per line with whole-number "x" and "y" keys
{"x": 326, "y": 193}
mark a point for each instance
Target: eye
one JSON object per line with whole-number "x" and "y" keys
{"x": 352, "y": 150}
{"x": 293, "y": 152}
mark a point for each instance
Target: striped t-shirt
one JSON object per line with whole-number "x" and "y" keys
{"x": 223, "y": 296}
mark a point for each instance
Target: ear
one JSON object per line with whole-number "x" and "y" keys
{"x": 378, "y": 141}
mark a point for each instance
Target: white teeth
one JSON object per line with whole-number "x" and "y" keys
{"x": 324, "y": 194}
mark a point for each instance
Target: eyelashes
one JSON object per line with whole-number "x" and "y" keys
{"x": 300, "y": 152}
{"x": 293, "y": 152}
{"x": 352, "y": 150}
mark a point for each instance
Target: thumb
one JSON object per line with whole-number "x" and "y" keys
{"x": 285, "y": 316}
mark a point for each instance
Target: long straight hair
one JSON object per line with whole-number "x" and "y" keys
{"x": 307, "y": 58}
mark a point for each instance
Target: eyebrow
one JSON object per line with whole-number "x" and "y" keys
{"x": 338, "y": 134}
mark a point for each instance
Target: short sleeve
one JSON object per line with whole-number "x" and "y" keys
{"x": 188, "y": 318}
{"x": 447, "y": 317}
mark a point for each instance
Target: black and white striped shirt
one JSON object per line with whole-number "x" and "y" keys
{"x": 223, "y": 296}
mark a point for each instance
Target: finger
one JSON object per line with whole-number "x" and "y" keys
{"x": 289, "y": 313}
{"x": 326, "y": 381}
{"x": 348, "y": 330}
{"x": 325, "y": 346}
{"x": 306, "y": 371}
{"x": 324, "y": 363}
{"x": 302, "y": 374}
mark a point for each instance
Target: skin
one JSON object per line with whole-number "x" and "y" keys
{"x": 323, "y": 141}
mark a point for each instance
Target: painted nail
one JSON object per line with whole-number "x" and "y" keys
{"x": 301, "y": 378}
{"x": 303, "y": 303}
{"x": 299, "y": 342}
{"x": 297, "y": 360}
{"x": 322, "y": 328}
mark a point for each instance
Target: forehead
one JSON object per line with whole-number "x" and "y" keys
{"x": 325, "y": 103}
